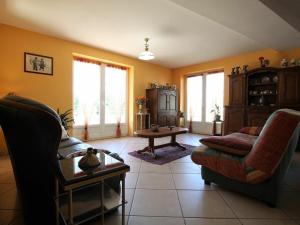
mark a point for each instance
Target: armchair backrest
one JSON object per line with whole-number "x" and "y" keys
{"x": 278, "y": 137}
{"x": 32, "y": 136}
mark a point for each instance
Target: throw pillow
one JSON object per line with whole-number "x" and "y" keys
{"x": 64, "y": 134}
{"x": 251, "y": 130}
{"x": 235, "y": 144}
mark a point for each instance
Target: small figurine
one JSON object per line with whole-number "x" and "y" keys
{"x": 284, "y": 63}
{"x": 245, "y": 68}
{"x": 266, "y": 63}
{"x": 233, "y": 70}
{"x": 237, "y": 69}
{"x": 293, "y": 62}
{"x": 262, "y": 59}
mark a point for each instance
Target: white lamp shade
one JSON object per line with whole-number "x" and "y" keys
{"x": 146, "y": 55}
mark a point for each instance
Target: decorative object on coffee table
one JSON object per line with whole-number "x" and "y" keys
{"x": 162, "y": 132}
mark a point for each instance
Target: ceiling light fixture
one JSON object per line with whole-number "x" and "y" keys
{"x": 146, "y": 55}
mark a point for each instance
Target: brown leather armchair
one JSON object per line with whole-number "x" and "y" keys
{"x": 32, "y": 134}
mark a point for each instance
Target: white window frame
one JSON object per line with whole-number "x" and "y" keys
{"x": 200, "y": 126}
{"x": 103, "y": 129}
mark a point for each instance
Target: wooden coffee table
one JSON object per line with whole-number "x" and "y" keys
{"x": 162, "y": 132}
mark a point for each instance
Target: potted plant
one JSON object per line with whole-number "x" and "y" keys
{"x": 66, "y": 118}
{"x": 216, "y": 111}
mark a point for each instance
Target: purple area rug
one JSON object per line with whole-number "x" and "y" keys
{"x": 165, "y": 155}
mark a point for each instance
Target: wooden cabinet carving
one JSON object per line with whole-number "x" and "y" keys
{"x": 163, "y": 106}
{"x": 237, "y": 89}
{"x": 255, "y": 95}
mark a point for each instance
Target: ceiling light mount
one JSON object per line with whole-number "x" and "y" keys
{"x": 146, "y": 55}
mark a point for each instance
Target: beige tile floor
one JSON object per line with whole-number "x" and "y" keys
{"x": 173, "y": 194}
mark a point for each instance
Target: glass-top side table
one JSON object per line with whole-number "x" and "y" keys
{"x": 85, "y": 195}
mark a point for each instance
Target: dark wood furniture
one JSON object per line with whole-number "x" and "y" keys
{"x": 163, "y": 106}
{"x": 162, "y": 132}
{"x": 253, "y": 96}
{"x": 214, "y": 129}
{"x": 86, "y": 195}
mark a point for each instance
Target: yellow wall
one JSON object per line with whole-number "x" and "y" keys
{"x": 226, "y": 64}
{"x": 56, "y": 90}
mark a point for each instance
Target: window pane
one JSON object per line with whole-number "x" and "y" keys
{"x": 214, "y": 94}
{"x": 115, "y": 95}
{"x": 86, "y": 93}
{"x": 194, "y": 98}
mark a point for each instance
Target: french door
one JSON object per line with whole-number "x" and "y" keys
{"x": 203, "y": 93}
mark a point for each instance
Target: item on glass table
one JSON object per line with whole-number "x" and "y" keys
{"x": 284, "y": 63}
{"x": 90, "y": 159}
{"x": 154, "y": 127}
{"x": 293, "y": 62}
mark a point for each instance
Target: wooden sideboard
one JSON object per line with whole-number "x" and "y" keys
{"x": 254, "y": 95}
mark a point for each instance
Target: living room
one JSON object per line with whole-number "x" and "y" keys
{"x": 226, "y": 66}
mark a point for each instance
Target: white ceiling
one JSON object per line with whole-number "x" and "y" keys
{"x": 181, "y": 32}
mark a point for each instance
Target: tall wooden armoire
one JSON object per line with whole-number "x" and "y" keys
{"x": 163, "y": 106}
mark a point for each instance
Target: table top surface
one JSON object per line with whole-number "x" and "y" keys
{"x": 71, "y": 173}
{"x": 162, "y": 132}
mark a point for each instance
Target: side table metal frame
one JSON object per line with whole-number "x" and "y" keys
{"x": 69, "y": 189}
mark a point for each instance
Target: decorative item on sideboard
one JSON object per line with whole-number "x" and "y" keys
{"x": 245, "y": 68}
{"x": 284, "y": 63}
{"x": 167, "y": 86}
{"x": 264, "y": 62}
{"x": 233, "y": 71}
{"x": 293, "y": 62}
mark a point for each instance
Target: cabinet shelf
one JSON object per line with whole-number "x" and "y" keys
{"x": 263, "y": 84}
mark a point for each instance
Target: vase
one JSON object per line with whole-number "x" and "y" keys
{"x": 140, "y": 108}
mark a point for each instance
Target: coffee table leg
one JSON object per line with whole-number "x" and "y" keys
{"x": 175, "y": 143}
{"x": 151, "y": 147}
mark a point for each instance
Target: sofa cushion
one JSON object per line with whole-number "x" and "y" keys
{"x": 251, "y": 130}
{"x": 235, "y": 143}
{"x": 226, "y": 164}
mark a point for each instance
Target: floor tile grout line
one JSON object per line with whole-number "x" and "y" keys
{"x": 178, "y": 200}
{"x": 133, "y": 196}
{"x": 229, "y": 207}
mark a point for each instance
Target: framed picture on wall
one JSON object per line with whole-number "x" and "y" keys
{"x": 41, "y": 64}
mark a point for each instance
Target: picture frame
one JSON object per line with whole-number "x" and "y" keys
{"x": 40, "y": 64}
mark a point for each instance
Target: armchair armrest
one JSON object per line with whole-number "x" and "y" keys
{"x": 255, "y": 131}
